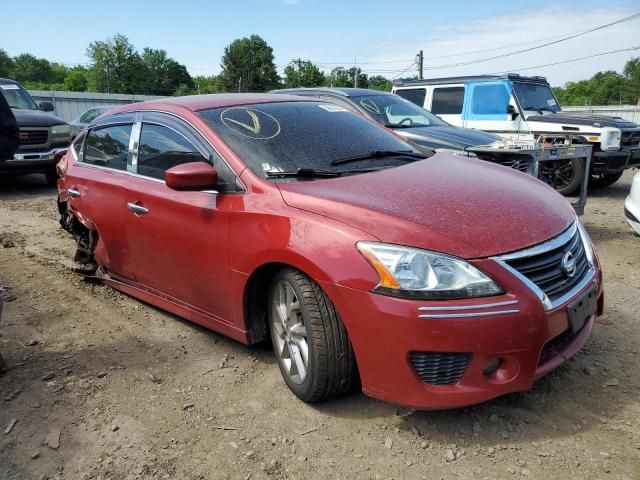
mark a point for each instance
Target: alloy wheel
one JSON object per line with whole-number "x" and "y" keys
{"x": 290, "y": 339}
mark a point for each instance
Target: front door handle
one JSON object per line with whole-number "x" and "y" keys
{"x": 73, "y": 193}
{"x": 139, "y": 209}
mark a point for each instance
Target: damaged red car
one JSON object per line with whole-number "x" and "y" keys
{"x": 430, "y": 282}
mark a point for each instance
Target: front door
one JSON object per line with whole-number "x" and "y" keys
{"x": 179, "y": 240}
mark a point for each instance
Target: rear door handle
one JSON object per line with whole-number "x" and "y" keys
{"x": 139, "y": 209}
{"x": 73, "y": 193}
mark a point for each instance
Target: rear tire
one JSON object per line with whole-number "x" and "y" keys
{"x": 604, "y": 179}
{"x": 309, "y": 340}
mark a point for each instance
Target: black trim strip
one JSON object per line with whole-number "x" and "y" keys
{"x": 630, "y": 215}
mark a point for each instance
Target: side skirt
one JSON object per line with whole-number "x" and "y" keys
{"x": 175, "y": 306}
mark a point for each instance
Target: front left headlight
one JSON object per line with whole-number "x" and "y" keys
{"x": 61, "y": 130}
{"x": 421, "y": 274}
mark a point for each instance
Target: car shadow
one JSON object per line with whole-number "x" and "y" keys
{"x": 33, "y": 185}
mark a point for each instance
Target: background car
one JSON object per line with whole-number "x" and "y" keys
{"x": 86, "y": 118}
{"x": 44, "y": 138}
{"x": 632, "y": 205}
{"x": 284, "y": 218}
{"x": 409, "y": 120}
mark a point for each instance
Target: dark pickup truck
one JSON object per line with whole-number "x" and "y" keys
{"x": 44, "y": 138}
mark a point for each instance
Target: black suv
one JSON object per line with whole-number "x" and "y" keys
{"x": 44, "y": 138}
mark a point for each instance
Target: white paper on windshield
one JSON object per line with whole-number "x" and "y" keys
{"x": 551, "y": 102}
{"x": 333, "y": 108}
{"x": 10, "y": 86}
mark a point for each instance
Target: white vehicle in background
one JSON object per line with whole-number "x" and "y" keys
{"x": 632, "y": 205}
{"x": 520, "y": 108}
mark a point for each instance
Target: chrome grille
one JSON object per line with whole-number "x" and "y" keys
{"x": 546, "y": 270}
{"x": 438, "y": 368}
{"x": 630, "y": 138}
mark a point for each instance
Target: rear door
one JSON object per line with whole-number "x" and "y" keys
{"x": 179, "y": 240}
{"x": 96, "y": 183}
{"x": 447, "y": 102}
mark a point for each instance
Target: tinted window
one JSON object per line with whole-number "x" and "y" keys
{"x": 108, "y": 146}
{"x": 275, "y": 137}
{"x": 534, "y": 96}
{"x": 414, "y": 95}
{"x": 447, "y": 100}
{"x": 490, "y": 99}
{"x": 162, "y": 148}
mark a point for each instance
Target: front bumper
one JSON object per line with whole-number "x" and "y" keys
{"x": 32, "y": 162}
{"x": 615, "y": 161}
{"x": 386, "y": 331}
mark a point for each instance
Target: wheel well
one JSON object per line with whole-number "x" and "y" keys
{"x": 255, "y": 301}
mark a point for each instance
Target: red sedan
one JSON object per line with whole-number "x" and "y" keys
{"x": 435, "y": 282}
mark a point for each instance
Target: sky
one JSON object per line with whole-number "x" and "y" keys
{"x": 381, "y": 37}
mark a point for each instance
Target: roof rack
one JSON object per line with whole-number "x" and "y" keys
{"x": 469, "y": 78}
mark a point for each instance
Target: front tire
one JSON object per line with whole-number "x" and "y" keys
{"x": 568, "y": 175}
{"x": 310, "y": 342}
{"x": 604, "y": 179}
{"x": 52, "y": 178}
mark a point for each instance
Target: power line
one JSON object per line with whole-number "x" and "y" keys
{"x": 569, "y": 61}
{"x": 635, "y": 16}
{"x": 409, "y": 67}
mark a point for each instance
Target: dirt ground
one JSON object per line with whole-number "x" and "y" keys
{"x": 103, "y": 386}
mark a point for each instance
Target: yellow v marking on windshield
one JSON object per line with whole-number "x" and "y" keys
{"x": 255, "y": 128}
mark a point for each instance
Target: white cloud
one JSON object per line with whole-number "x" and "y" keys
{"x": 450, "y": 39}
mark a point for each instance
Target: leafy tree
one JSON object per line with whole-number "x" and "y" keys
{"x": 247, "y": 65}
{"x": 29, "y": 69}
{"x": 115, "y": 66}
{"x": 341, "y": 77}
{"x": 163, "y": 74}
{"x": 378, "y": 82}
{"x": 77, "y": 80}
{"x": 212, "y": 84}
{"x": 305, "y": 75}
{"x": 6, "y": 64}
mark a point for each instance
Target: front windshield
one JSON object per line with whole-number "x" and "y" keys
{"x": 396, "y": 112}
{"x": 17, "y": 97}
{"x": 534, "y": 96}
{"x": 287, "y": 136}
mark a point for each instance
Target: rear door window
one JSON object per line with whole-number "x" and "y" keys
{"x": 414, "y": 95}
{"x": 447, "y": 100}
{"x": 108, "y": 146}
{"x": 162, "y": 148}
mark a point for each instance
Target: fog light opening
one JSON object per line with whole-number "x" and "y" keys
{"x": 491, "y": 367}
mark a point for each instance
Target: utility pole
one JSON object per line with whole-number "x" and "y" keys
{"x": 355, "y": 73}
{"x": 299, "y": 62}
{"x": 420, "y": 62}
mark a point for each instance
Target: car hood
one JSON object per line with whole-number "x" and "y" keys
{"x": 35, "y": 118}
{"x": 447, "y": 136}
{"x": 446, "y": 203}
{"x": 577, "y": 118}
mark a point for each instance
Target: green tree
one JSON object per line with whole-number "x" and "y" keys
{"x": 247, "y": 66}
{"x": 77, "y": 80}
{"x": 116, "y": 67}
{"x": 341, "y": 77}
{"x": 164, "y": 76}
{"x": 211, "y": 84}
{"x": 29, "y": 69}
{"x": 301, "y": 73}
{"x": 6, "y": 64}
{"x": 378, "y": 82}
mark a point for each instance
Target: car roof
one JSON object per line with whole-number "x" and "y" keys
{"x": 204, "y": 102}
{"x": 343, "y": 91}
{"x": 8, "y": 80}
{"x": 471, "y": 78}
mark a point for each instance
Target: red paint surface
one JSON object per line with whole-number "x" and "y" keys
{"x": 194, "y": 252}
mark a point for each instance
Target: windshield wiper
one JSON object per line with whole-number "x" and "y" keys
{"x": 379, "y": 154}
{"x": 539, "y": 110}
{"x": 302, "y": 173}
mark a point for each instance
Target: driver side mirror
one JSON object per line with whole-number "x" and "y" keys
{"x": 511, "y": 110}
{"x": 191, "y": 176}
{"x": 46, "y": 106}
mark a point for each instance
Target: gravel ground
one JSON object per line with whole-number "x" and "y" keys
{"x": 102, "y": 386}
